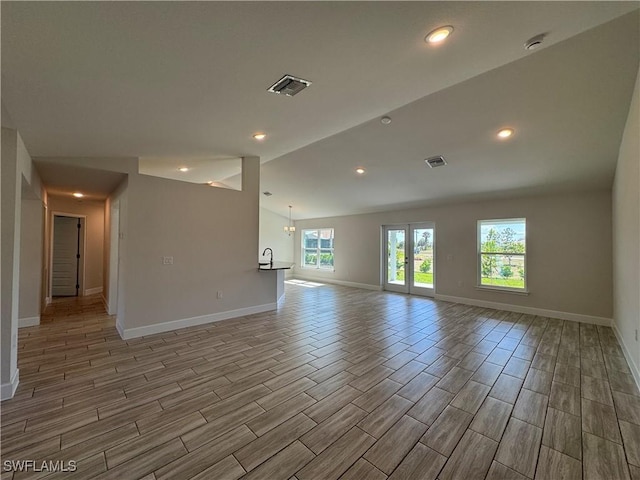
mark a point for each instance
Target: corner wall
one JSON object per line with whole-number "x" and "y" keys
{"x": 17, "y": 175}
{"x": 31, "y": 242}
{"x": 569, "y": 270}
{"x": 212, "y": 235}
{"x": 626, "y": 238}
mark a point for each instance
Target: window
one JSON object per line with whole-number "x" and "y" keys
{"x": 317, "y": 248}
{"x": 502, "y": 254}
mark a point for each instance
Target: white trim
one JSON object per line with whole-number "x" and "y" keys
{"x": 344, "y": 283}
{"x": 512, "y": 291}
{"x": 574, "y": 317}
{"x": 128, "y": 333}
{"x": 635, "y": 370}
{"x": 8, "y": 390}
{"x": 28, "y": 322}
{"x": 47, "y": 300}
{"x": 92, "y": 291}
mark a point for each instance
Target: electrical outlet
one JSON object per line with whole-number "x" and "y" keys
{"x": 167, "y": 260}
{"x": 219, "y": 293}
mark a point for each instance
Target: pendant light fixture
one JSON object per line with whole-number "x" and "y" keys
{"x": 289, "y": 228}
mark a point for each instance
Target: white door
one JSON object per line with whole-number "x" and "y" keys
{"x": 66, "y": 256}
{"x": 409, "y": 251}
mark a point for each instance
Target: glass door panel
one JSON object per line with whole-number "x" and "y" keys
{"x": 397, "y": 260}
{"x": 422, "y": 261}
{"x": 409, "y": 251}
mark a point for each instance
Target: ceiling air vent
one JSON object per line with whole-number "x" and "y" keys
{"x": 434, "y": 162}
{"x": 289, "y": 85}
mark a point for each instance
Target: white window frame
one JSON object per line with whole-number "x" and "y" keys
{"x": 498, "y": 221}
{"x": 303, "y": 250}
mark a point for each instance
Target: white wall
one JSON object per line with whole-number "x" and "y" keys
{"x": 626, "y": 237}
{"x": 568, "y": 245}
{"x": 94, "y": 235}
{"x": 272, "y": 235}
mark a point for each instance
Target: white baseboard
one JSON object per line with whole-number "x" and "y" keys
{"x": 28, "y": 322}
{"x": 47, "y": 300}
{"x": 92, "y": 291}
{"x": 8, "y": 390}
{"x": 635, "y": 369}
{"x": 344, "y": 283}
{"x": 128, "y": 333}
{"x": 574, "y": 317}
{"x": 105, "y": 303}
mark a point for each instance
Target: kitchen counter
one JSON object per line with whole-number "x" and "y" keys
{"x": 277, "y": 266}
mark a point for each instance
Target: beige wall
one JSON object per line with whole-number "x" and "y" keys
{"x": 568, "y": 244}
{"x": 626, "y": 235}
{"x": 94, "y": 234}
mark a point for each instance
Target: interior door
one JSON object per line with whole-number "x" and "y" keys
{"x": 66, "y": 251}
{"x": 409, "y": 251}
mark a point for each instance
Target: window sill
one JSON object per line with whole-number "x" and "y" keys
{"x": 315, "y": 269}
{"x": 502, "y": 290}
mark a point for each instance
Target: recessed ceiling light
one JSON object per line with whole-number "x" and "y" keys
{"x": 78, "y": 194}
{"x": 259, "y": 136}
{"x": 439, "y": 35}
{"x": 360, "y": 171}
{"x": 385, "y": 120}
{"x": 183, "y": 169}
{"x": 534, "y": 42}
{"x": 505, "y": 132}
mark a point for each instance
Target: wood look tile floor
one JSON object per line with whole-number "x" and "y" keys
{"x": 338, "y": 383}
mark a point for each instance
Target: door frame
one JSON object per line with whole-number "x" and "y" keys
{"x": 83, "y": 253}
{"x": 409, "y": 252}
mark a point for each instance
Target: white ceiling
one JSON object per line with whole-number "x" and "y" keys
{"x": 188, "y": 80}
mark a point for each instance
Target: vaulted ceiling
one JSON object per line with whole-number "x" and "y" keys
{"x": 187, "y": 80}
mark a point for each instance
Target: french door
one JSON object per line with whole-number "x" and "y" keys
{"x": 409, "y": 251}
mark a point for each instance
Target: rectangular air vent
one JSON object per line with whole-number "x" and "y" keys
{"x": 289, "y": 86}
{"x": 434, "y": 162}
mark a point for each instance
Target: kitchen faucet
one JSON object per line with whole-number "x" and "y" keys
{"x": 270, "y": 255}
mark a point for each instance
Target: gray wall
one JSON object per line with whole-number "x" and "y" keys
{"x": 568, "y": 248}
{"x": 626, "y": 235}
